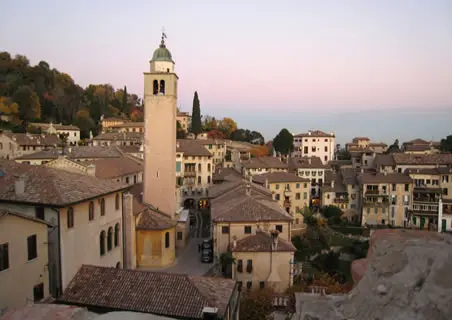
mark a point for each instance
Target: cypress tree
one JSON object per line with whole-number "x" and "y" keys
{"x": 196, "y": 126}
{"x": 125, "y": 105}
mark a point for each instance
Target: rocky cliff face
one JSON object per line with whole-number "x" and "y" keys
{"x": 406, "y": 275}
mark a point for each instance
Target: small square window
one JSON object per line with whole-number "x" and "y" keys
{"x": 179, "y": 235}
{"x": 247, "y": 229}
{"x": 261, "y": 284}
{"x": 225, "y": 230}
{"x": 279, "y": 227}
{"x": 32, "y": 246}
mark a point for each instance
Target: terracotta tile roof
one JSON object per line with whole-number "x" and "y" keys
{"x": 417, "y": 147}
{"x": 24, "y": 216}
{"x": 81, "y": 152}
{"x": 384, "y": 160}
{"x": 46, "y": 126}
{"x": 426, "y": 159}
{"x": 49, "y": 186}
{"x": 211, "y": 141}
{"x": 377, "y": 144}
{"x": 191, "y": 148}
{"x": 360, "y": 138}
{"x": 418, "y": 141}
{"x": 226, "y": 174}
{"x": 276, "y": 177}
{"x": 306, "y": 162}
{"x": 159, "y": 293}
{"x": 370, "y": 178}
{"x": 264, "y": 162}
{"x": 429, "y": 171}
{"x": 27, "y": 139}
{"x": 115, "y": 167}
{"x": 129, "y": 149}
{"x": 314, "y": 133}
{"x": 261, "y": 242}
{"x": 236, "y": 206}
{"x": 121, "y": 136}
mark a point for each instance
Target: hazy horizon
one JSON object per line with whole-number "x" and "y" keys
{"x": 376, "y": 68}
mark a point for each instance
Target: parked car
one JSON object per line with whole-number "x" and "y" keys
{"x": 207, "y": 244}
{"x": 206, "y": 256}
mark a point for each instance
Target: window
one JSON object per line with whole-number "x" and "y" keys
{"x": 167, "y": 240}
{"x": 305, "y": 195}
{"x": 249, "y": 266}
{"x": 326, "y": 149}
{"x": 239, "y": 265}
{"x": 297, "y": 186}
{"x": 117, "y": 201}
{"x": 313, "y": 149}
{"x": 261, "y": 284}
{"x": 110, "y": 239}
{"x": 277, "y": 196}
{"x": 407, "y": 187}
{"x": 4, "y": 256}
{"x": 392, "y": 212}
{"x": 305, "y": 150}
{"x": 32, "y": 246}
{"x": 249, "y": 284}
{"x": 393, "y": 187}
{"x": 91, "y": 211}
{"x": 179, "y": 236}
{"x": 383, "y": 221}
{"x": 117, "y": 234}
{"x": 225, "y": 230}
{"x": 277, "y": 187}
{"x": 102, "y": 207}
{"x": 199, "y": 167}
{"x": 39, "y": 213}
{"x": 162, "y": 86}
{"x": 38, "y": 292}
{"x": 199, "y": 179}
{"x": 102, "y": 242}
{"x": 297, "y": 196}
{"x": 247, "y": 229}
{"x": 279, "y": 227}
{"x": 208, "y": 167}
{"x": 70, "y": 217}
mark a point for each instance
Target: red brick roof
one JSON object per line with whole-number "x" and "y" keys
{"x": 159, "y": 293}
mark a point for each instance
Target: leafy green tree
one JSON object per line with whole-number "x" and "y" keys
{"x": 226, "y": 262}
{"x": 180, "y": 133}
{"x": 29, "y": 106}
{"x": 283, "y": 142}
{"x": 256, "y": 304}
{"x": 86, "y": 124}
{"x": 196, "y": 126}
{"x": 446, "y": 144}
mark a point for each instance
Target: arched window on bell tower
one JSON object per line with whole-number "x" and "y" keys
{"x": 155, "y": 87}
{"x": 162, "y": 86}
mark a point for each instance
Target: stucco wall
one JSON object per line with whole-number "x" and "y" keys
{"x": 81, "y": 244}
{"x": 263, "y": 264}
{"x": 151, "y": 251}
{"x": 17, "y": 282}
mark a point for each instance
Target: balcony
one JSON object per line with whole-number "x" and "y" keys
{"x": 379, "y": 193}
{"x": 376, "y": 202}
{"x": 340, "y": 200}
{"x": 190, "y": 173}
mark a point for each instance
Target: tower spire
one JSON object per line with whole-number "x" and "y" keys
{"x": 162, "y": 43}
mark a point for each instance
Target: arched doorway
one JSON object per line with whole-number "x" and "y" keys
{"x": 189, "y": 203}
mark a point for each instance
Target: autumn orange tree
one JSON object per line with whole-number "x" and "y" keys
{"x": 259, "y": 151}
{"x": 256, "y": 304}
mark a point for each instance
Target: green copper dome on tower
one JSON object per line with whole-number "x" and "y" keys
{"x": 162, "y": 53}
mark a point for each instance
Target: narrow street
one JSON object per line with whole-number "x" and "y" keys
{"x": 188, "y": 259}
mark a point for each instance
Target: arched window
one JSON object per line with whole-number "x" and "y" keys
{"x": 162, "y": 86}
{"x": 91, "y": 211}
{"x": 110, "y": 239}
{"x": 102, "y": 243}
{"x": 117, "y": 202}
{"x": 167, "y": 240}
{"x": 117, "y": 235}
{"x": 70, "y": 217}
{"x": 102, "y": 207}
{"x": 155, "y": 87}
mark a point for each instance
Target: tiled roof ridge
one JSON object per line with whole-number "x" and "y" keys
{"x": 191, "y": 280}
{"x": 232, "y": 207}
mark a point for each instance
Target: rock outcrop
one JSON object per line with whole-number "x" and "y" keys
{"x": 406, "y": 275}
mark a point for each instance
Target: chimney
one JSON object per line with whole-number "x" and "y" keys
{"x": 209, "y": 313}
{"x": 332, "y": 133}
{"x": 234, "y": 242}
{"x": 385, "y": 173}
{"x": 332, "y": 183}
{"x": 91, "y": 170}
{"x": 19, "y": 186}
{"x": 309, "y": 132}
{"x": 129, "y": 232}
{"x": 248, "y": 189}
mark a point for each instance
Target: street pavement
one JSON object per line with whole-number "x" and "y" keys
{"x": 188, "y": 259}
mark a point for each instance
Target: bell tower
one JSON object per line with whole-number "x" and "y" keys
{"x": 160, "y": 110}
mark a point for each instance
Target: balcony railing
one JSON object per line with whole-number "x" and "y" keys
{"x": 190, "y": 173}
{"x": 425, "y": 198}
{"x": 430, "y": 208}
{"x": 340, "y": 200}
{"x": 379, "y": 202}
{"x": 379, "y": 193}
